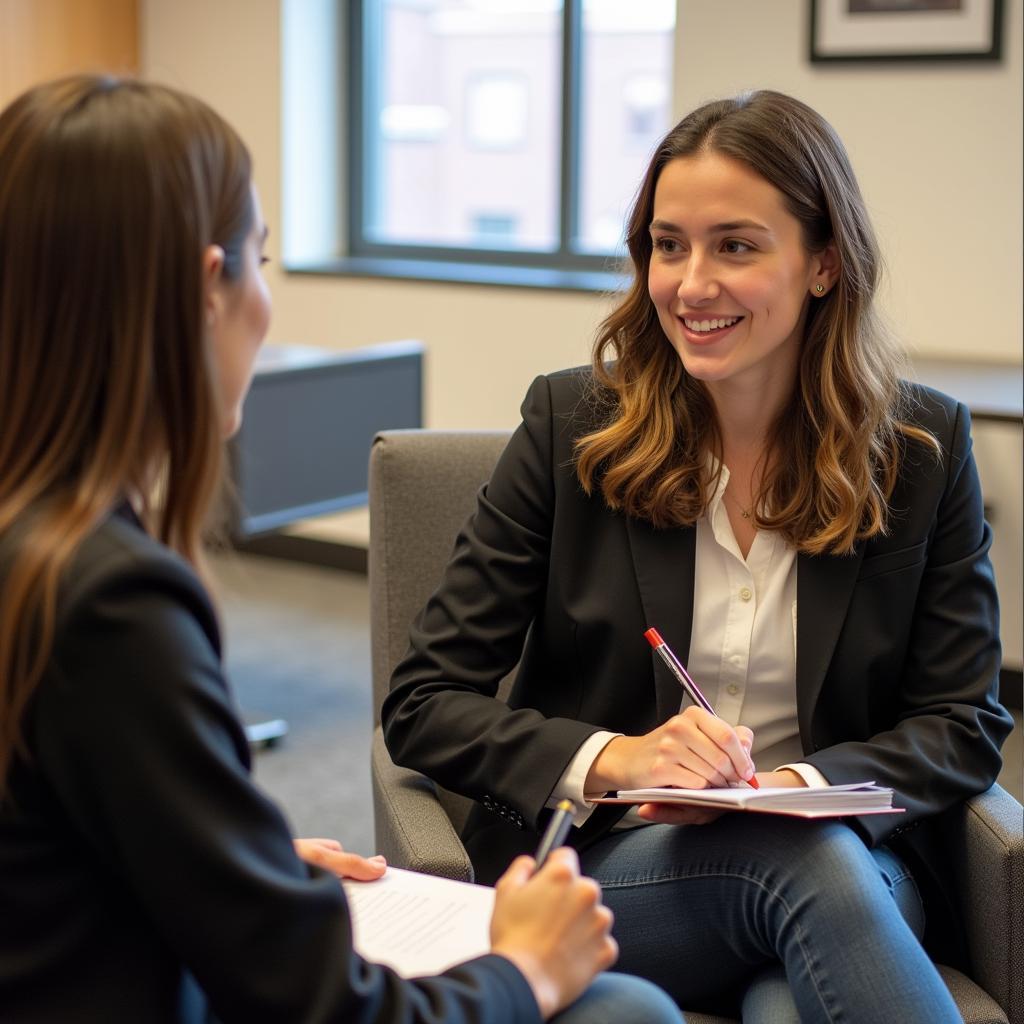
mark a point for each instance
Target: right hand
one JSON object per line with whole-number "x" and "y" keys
{"x": 553, "y": 927}
{"x": 692, "y": 750}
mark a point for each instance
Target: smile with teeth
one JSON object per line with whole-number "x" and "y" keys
{"x": 701, "y": 326}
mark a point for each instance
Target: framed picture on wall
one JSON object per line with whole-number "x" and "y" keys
{"x": 905, "y": 30}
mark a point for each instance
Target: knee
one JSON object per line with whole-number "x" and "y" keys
{"x": 796, "y": 854}
{"x": 769, "y": 998}
{"x": 833, "y": 850}
{"x": 838, "y": 873}
{"x": 613, "y": 998}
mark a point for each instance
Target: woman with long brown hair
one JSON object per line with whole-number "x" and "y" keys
{"x": 743, "y": 469}
{"x": 143, "y": 877}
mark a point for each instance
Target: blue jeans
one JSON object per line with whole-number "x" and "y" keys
{"x": 620, "y": 999}
{"x": 779, "y": 919}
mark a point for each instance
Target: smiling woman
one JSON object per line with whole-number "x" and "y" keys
{"x": 734, "y": 469}
{"x": 737, "y": 208}
{"x": 731, "y": 280}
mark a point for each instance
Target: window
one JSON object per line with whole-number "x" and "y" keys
{"x": 496, "y": 111}
{"x": 505, "y": 133}
{"x": 494, "y": 228}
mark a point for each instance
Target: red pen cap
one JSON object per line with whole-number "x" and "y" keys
{"x": 653, "y": 637}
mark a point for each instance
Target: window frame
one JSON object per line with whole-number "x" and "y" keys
{"x": 563, "y": 267}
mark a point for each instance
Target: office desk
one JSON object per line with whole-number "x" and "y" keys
{"x": 308, "y": 421}
{"x": 304, "y": 444}
{"x": 992, "y": 391}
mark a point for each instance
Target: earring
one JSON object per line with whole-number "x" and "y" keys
{"x": 820, "y": 289}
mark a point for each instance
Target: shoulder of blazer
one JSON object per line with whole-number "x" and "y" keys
{"x": 948, "y": 421}
{"x": 119, "y": 552}
{"x": 578, "y": 401}
{"x": 932, "y": 410}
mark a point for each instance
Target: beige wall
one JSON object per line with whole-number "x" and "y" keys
{"x": 938, "y": 149}
{"x": 42, "y": 39}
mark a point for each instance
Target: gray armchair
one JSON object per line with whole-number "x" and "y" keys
{"x": 423, "y": 485}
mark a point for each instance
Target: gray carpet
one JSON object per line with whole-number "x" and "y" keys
{"x": 297, "y": 646}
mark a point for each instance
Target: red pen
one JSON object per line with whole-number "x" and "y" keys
{"x": 675, "y": 666}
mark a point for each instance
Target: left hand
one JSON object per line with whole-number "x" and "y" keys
{"x": 328, "y": 854}
{"x": 670, "y": 814}
{"x": 667, "y": 814}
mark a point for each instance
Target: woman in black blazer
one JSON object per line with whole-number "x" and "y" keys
{"x": 143, "y": 877}
{"x": 743, "y": 470}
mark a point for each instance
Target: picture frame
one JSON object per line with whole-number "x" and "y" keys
{"x": 905, "y": 30}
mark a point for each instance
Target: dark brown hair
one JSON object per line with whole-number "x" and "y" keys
{"x": 110, "y": 191}
{"x": 842, "y": 432}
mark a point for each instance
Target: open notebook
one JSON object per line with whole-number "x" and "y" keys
{"x": 826, "y": 802}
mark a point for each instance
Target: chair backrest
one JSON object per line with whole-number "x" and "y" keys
{"x": 423, "y": 486}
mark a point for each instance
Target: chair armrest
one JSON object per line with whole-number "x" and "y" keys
{"x": 412, "y": 828}
{"x": 987, "y": 848}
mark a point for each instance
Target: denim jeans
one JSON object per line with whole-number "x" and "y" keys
{"x": 620, "y": 999}
{"x": 779, "y": 919}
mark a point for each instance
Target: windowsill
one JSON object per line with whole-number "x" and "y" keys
{"x": 501, "y": 275}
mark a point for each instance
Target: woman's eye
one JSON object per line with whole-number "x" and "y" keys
{"x": 735, "y": 247}
{"x": 669, "y": 246}
{"x": 264, "y": 260}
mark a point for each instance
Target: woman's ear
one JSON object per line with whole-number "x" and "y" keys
{"x": 826, "y": 270}
{"x": 213, "y": 283}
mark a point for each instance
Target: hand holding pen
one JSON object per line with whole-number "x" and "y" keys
{"x": 675, "y": 666}
{"x": 549, "y": 920}
{"x": 694, "y": 749}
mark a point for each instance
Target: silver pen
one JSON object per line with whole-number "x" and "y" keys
{"x": 555, "y": 833}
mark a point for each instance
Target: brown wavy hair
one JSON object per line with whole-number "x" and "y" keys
{"x": 843, "y": 430}
{"x": 110, "y": 190}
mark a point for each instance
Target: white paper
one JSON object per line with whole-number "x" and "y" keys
{"x": 419, "y": 924}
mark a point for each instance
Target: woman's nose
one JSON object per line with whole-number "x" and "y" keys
{"x": 698, "y": 282}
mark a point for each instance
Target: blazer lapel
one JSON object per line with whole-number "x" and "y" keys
{"x": 824, "y": 586}
{"x": 664, "y": 564}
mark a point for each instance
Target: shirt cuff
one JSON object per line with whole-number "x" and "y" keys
{"x": 811, "y": 776}
{"x": 570, "y": 785}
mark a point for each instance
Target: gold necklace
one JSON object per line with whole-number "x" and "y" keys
{"x": 744, "y": 512}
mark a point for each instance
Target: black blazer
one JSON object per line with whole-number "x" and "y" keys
{"x": 897, "y": 645}
{"x": 136, "y": 855}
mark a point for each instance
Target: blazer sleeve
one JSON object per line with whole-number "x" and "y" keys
{"x": 942, "y": 744}
{"x": 136, "y": 734}
{"x": 442, "y": 716}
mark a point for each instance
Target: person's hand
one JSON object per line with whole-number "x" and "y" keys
{"x": 553, "y": 927}
{"x": 328, "y": 854}
{"x": 674, "y": 814}
{"x": 692, "y": 750}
